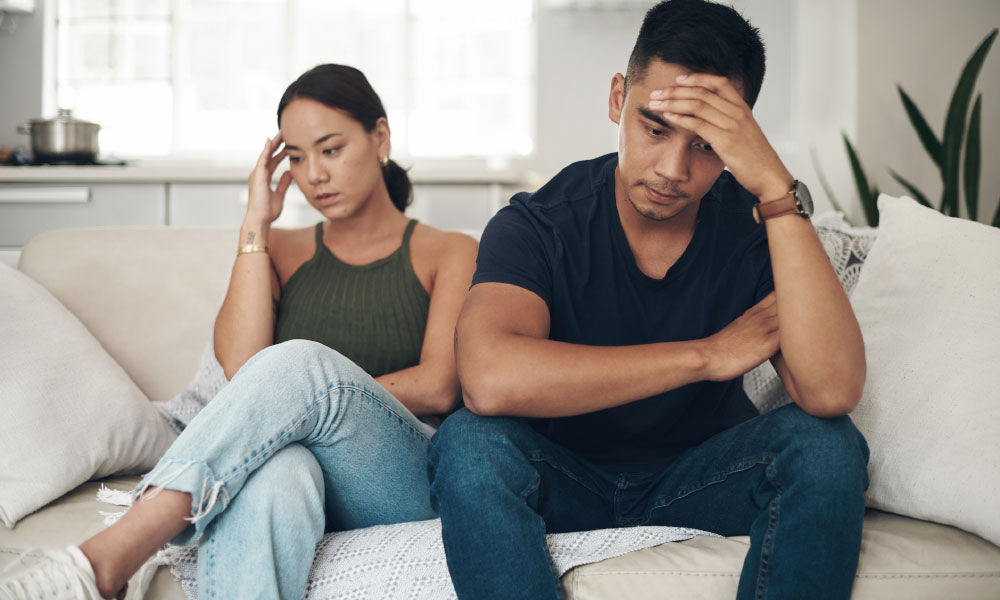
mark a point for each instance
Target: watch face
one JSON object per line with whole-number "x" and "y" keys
{"x": 804, "y": 198}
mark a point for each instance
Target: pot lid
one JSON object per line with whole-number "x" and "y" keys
{"x": 65, "y": 116}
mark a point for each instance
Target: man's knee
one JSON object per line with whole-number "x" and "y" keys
{"x": 828, "y": 454}
{"x": 470, "y": 454}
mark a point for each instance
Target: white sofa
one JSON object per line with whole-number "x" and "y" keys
{"x": 150, "y": 297}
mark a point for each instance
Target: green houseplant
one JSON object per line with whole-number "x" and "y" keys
{"x": 946, "y": 152}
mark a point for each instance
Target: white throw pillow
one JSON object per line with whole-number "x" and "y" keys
{"x": 928, "y": 302}
{"x": 68, "y": 412}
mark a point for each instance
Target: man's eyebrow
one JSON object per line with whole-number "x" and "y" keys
{"x": 316, "y": 143}
{"x": 654, "y": 117}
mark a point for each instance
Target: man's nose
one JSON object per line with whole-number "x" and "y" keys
{"x": 673, "y": 162}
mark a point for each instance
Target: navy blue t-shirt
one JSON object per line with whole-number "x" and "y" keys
{"x": 566, "y": 244}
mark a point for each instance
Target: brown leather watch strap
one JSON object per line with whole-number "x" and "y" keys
{"x": 775, "y": 208}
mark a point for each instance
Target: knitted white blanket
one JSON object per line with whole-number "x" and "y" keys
{"x": 407, "y": 560}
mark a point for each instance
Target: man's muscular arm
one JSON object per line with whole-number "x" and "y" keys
{"x": 821, "y": 359}
{"x": 509, "y": 367}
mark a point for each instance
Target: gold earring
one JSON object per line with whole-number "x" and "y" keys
{"x": 384, "y": 161}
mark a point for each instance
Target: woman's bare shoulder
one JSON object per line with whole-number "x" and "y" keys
{"x": 289, "y": 248}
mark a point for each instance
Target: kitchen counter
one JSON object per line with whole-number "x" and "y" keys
{"x": 199, "y": 173}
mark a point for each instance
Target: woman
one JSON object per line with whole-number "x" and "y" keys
{"x": 305, "y": 438}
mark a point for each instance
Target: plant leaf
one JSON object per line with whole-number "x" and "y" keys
{"x": 972, "y": 160}
{"x": 954, "y": 125}
{"x": 927, "y": 137}
{"x": 823, "y": 182}
{"x": 861, "y": 182}
{"x": 996, "y": 217}
{"x": 917, "y": 194}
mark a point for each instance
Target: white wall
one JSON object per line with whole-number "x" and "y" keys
{"x": 923, "y": 45}
{"x": 579, "y": 51}
{"x": 20, "y": 76}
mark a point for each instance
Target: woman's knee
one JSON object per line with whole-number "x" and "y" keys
{"x": 296, "y": 355}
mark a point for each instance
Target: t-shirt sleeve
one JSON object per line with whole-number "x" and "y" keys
{"x": 765, "y": 279}
{"x": 512, "y": 250}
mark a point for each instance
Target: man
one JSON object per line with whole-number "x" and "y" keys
{"x": 612, "y": 315}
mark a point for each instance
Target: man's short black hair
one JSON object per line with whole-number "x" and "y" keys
{"x": 701, "y": 36}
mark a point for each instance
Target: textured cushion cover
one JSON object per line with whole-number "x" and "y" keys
{"x": 68, "y": 412}
{"x": 928, "y": 302}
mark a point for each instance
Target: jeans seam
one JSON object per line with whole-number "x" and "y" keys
{"x": 539, "y": 457}
{"x": 535, "y": 484}
{"x": 718, "y": 477}
{"x": 767, "y": 544}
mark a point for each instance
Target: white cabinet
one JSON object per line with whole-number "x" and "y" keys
{"x": 29, "y": 209}
{"x": 36, "y": 199}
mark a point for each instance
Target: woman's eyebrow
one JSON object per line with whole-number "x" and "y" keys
{"x": 317, "y": 142}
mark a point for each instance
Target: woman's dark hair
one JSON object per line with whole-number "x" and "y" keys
{"x": 704, "y": 37}
{"x": 347, "y": 89}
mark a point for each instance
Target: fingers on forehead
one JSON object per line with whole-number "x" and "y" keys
{"x": 703, "y": 79}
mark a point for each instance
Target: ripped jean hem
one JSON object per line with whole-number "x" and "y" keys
{"x": 205, "y": 488}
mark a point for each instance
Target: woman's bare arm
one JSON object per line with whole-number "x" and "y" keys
{"x": 431, "y": 387}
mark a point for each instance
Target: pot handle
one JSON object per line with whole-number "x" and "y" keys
{"x": 24, "y": 128}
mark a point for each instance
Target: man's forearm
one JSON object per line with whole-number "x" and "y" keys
{"x": 820, "y": 341}
{"x": 518, "y": 375}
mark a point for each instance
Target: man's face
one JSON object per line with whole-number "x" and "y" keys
{"x": 663, "y": 170}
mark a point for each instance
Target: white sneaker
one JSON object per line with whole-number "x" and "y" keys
{"x": 59, "y": 574}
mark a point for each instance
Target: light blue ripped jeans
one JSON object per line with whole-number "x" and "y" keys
{"x": 300, "y": 442}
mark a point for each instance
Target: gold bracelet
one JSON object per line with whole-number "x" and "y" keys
{"x": 248, "y": 248}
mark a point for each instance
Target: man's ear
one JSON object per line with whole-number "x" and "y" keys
{"x": 616, "y": 100}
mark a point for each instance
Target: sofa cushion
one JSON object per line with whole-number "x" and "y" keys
{"x": 69, "y": 412}
{"x": 149, "y": 295}
{"x": 901, "y": 558}
{"x": 928, "y": 302}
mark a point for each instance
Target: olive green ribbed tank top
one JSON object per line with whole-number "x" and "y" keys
{"x": 374, "y": 314}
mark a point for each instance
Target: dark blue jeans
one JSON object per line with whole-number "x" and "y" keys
{"x": 792, "y": 482}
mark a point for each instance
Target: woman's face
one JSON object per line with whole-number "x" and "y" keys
{"x": 334, "y": 161}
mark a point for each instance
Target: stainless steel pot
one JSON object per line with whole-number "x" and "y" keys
{"x": 62, "y": 139}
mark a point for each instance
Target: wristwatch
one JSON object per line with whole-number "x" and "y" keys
{"x": 797, "y": 201}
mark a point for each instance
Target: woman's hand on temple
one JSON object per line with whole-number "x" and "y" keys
{"x": 264, "y": 204}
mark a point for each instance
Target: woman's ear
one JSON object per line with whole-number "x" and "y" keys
{"x": 383, "y": 136}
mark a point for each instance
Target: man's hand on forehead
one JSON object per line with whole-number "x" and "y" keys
{"x": 711, "y": 107}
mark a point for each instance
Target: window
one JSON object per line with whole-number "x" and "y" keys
{"x": 202, "y": 78}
